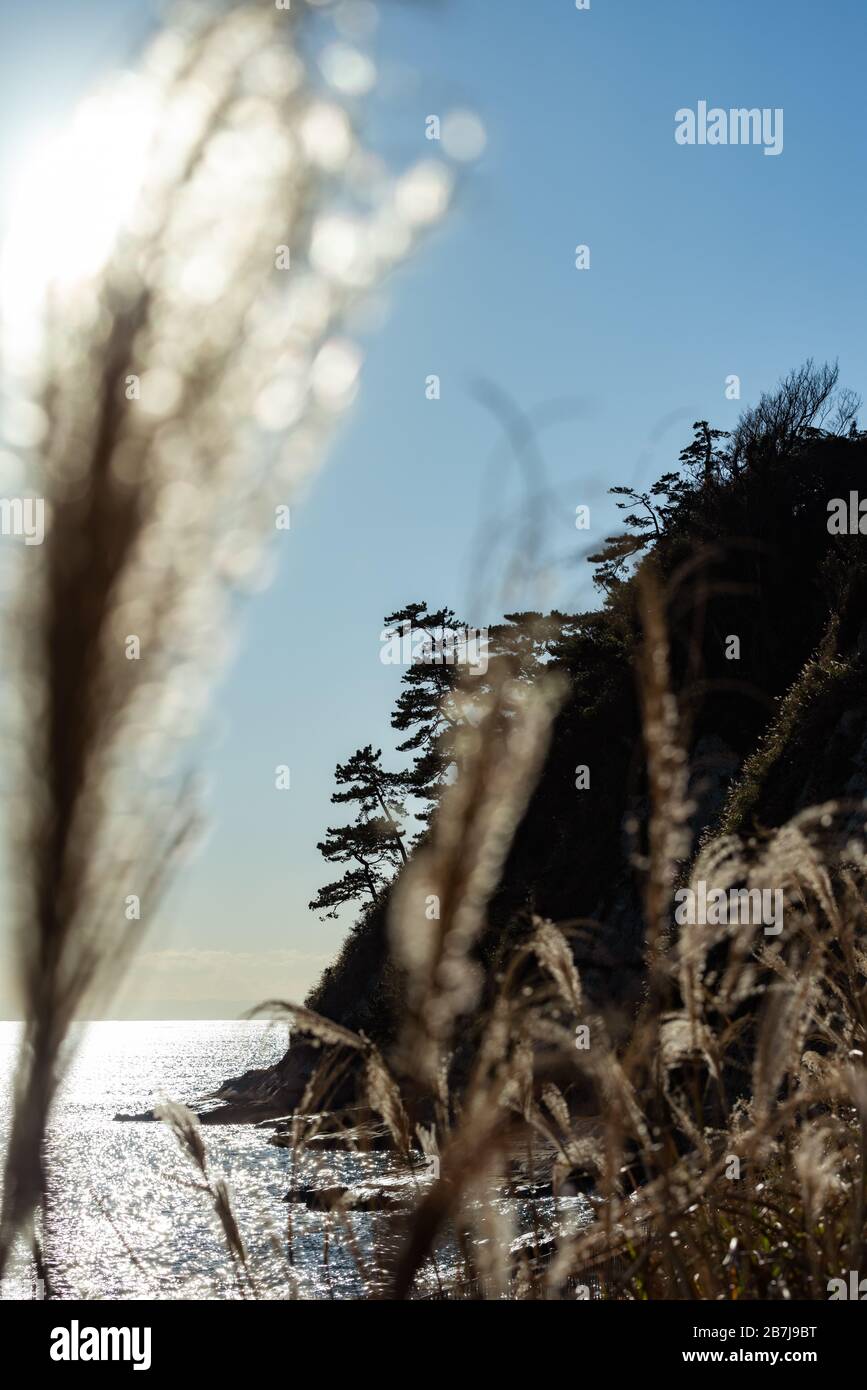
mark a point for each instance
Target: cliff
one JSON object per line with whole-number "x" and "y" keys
{"x": 773, "y": 722}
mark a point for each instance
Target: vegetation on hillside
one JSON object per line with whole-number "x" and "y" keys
{"x": 738, "y": 539}
{"x": 549, "y": 1023}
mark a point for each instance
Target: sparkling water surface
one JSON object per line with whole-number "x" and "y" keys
{"x": 125, "y": 1217}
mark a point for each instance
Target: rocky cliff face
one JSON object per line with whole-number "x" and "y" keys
{"x": 780, "y": 727}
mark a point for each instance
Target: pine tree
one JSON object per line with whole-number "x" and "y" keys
{"x": 525, "y": 641}
{"x": 654, "y": 510}
{"x": 424, "y": 704}
{"x": 703, "y": 457}
{"x": 373, "y": 844}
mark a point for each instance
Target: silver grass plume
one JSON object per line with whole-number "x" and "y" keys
{"x": 169, "y": 393}
{"x": 499, "y": 747}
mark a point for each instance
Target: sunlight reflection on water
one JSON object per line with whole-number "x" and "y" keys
{"x": 124, "y": 1219}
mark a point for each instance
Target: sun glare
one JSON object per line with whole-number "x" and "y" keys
{"x": 73, "y": 192}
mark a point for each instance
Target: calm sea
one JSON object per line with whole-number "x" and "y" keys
{"x": 125, "y": 1220}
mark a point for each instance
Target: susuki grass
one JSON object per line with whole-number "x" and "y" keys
{"x": 725, "y": 1142}
{"x": 726, "y": 1138}
{"x": 177, "y": 394}
{"x": 184, "y": 1125}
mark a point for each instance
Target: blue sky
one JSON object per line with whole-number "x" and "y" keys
{"x": 705, "y": 262}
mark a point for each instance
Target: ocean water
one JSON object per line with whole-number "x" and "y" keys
{"x": 126, "y": 1216}
{"x": 125, "y": 1219}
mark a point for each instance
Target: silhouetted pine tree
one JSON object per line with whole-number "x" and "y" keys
{"x": 423, "y": 705}
{"x": 373, "y": 844}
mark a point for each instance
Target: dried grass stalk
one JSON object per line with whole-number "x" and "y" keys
{"x": 182, "y": 390}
